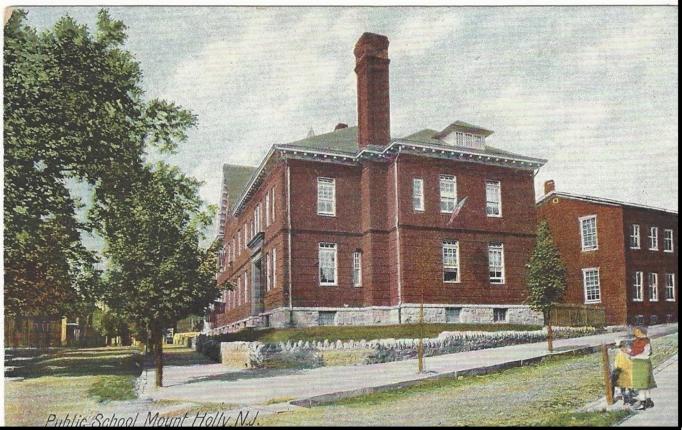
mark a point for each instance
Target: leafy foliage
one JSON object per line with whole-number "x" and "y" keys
{"x": 158, "y": 271}
{"x": 74, "y": 111}
{"x": 546, "y": 272}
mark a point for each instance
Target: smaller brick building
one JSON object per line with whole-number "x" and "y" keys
{"x": 622, "y": 256}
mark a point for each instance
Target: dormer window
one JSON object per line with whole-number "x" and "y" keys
{"x": 464, "y": 135}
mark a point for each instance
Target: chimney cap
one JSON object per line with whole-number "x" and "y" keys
{"x": 371, "y": 44}
{"x": 549, "y": 186}
{"x": 340, "y": 126}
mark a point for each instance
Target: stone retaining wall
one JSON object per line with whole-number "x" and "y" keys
{"x": 315, "y": 354}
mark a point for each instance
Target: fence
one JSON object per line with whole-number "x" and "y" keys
{"x": 574, "y": 315}
{"x": 34, "y": 332}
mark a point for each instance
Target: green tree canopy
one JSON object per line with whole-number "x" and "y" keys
{"x": 546, "y": 272}
{"x": 74, "y": 111}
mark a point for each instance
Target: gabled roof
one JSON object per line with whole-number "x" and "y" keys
{"x": 601, "y": 201}
{"x": 429, "y": 136}
{"x": 235, "y": 178}
{"x": 465, "y": 127}
{"x": 342, "y": 140}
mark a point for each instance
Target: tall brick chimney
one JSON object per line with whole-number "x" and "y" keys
{"x": 371, "y": 66}
{"x": 549, "y": 186}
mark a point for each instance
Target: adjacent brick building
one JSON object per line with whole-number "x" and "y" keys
{"x": 622, "y": 256}
{"x": 357, "y": 227}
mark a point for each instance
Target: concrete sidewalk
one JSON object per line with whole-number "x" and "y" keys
{"x": 665, "y": 397}
{"x": 216, "y": 383}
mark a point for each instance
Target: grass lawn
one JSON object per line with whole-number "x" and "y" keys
{"x": 334, "y": 333}
{"x": 67, "y": 381}
{"x": 548, "y": 393}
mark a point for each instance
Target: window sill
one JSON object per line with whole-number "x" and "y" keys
{"x": 589, "y": 249}
{"x": 635, "y": 249}
{"x": 327, "y": 214}
{"x": 653, "y": 301}
{"x": 452, "y": 282}
{"x": 667, "y": 251}
{"x": 498, "y": 284}
{"x": 592, "y": 302}
{"x": 329, "y": 285}
{"x": 669, "y": 300}
{"x": 493, "y": 216}
{"x": 638, "y": 300}
{"x": 653, "y": 249}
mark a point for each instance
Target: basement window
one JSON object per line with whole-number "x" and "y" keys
{"x": 326, "y": 317}
{"x": 499, "y": 315}
{"x": 452, "y": 315}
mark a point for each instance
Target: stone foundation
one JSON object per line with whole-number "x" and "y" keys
{"x": 383, "y": 315}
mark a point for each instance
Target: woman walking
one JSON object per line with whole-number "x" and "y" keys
{"x": 642, "y": 370}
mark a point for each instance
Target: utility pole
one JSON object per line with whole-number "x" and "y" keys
{"x": 420, "y": 345}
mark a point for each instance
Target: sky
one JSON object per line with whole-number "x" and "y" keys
{"x": 591, "y": 89}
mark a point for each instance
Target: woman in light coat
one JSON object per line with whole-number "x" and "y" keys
{"x": 642, "y": 370}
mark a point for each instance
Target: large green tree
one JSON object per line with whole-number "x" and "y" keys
{"x": 546, "y": 277}
{"x": 73, "y": 112}
{"x": 159, "y": 272}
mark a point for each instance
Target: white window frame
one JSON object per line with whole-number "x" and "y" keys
{"x": 357, "y": 269}
{"x": 442, "y": 180}
{"x": 670, "y": 287}
{"x": 667, "y": 232}
{"x": 451, "y": 244}
{"x": 581, "y": 222}
{"x": 635, "y": 235}
{"x": 274, "y": 268}
{"x": 321, "y": 183}
{"x": 638, "y": 286}
{"x": 653, "y": 238}
{"x": 585, "y": 286}
{"x": 488, "y": 202}
{"x": 326, "y": 247}
{"x": 418, "y": 194}
{"x": 272, "y": 204}
{"x": 267, "y": 271}
{"x": 496, "y": 246}
{"x": 652, "y": 285}
{"x": 246, "y": 286}
{"x": 267, "y": 209}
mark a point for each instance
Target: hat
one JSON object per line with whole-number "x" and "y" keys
{"x": 641, "y": 329}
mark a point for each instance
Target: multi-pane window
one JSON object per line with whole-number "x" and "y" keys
{"x": 246, "y": 234}
{"x": 591, "y": 285}
{"x": 634, "y": 236}
{"x": 496, "y": 262}
{"x": 653, "y": 238}
{"x": 418, "y": 194}
{"x": 670, "y": 287}
{"x": 667, "y": 240}
{"x": 450, "y": 261}
{"x": 637, "y": 287}
{"x": 246, "y": 287}
{"x": 357, "y": 269}
{"x": 499, "y": 315}
{"x": 459, "y": 137}
{"x": 257, "y": 220}
{"x": 326, "y": 196}
{"x": 493, "y": 198}
{"x": 272, "y": 204}
{"x": 588, "y": 232}
{"x": 327, "y": 261}
{"x": 267, "y": 209}
{"x": 448, "y": 193}
{"x": 653, "y": 287}
{"x": 267, "y": 272}
{"x": 274, "y": 267}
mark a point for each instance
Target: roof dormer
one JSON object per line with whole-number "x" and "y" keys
{"x": 460, "y": 133}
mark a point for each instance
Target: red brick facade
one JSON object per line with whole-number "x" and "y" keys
{"x": 614, "y": 257}
{"x": 401, "y": 248}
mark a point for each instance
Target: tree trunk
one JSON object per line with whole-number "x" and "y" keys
{"x": 550, "y": 345}
{"x": 158, "y": 355}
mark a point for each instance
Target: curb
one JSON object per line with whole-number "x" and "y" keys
{"x": 331, "y": 397}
